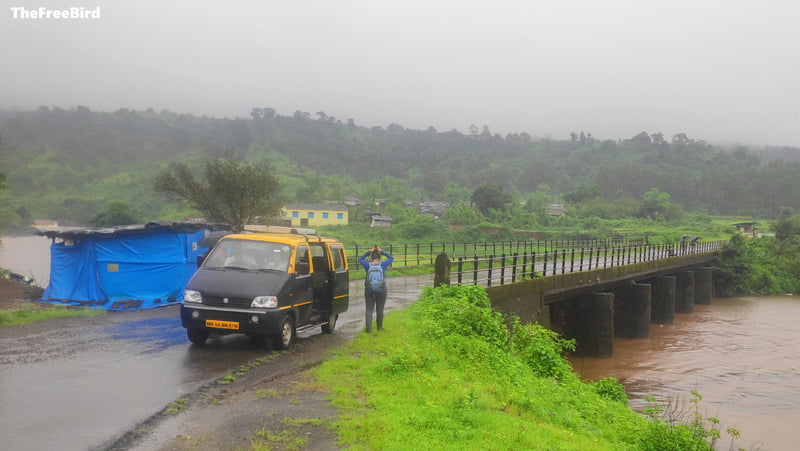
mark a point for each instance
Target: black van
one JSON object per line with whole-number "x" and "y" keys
{"x": 271, "y": 284}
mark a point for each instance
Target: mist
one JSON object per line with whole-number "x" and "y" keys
{"x": 719, "y": 71}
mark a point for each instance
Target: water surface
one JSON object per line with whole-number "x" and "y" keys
{"x": 740, "y": 354}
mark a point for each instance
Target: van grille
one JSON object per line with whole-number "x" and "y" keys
{"x": 216, "y": 301}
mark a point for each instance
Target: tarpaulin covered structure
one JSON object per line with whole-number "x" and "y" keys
{"x": 124, "y": 268}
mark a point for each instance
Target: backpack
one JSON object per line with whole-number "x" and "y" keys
{"x": 375, "y": 280}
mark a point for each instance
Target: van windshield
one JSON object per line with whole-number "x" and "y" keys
{"x": 249, "y": 255}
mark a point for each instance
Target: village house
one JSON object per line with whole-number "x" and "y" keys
{"x": 313, "y": 215}
{"x": 557, "y": 210}
{"x": 433, "y": 208}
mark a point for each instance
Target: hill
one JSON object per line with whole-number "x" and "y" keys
{"x": 69, "y": 164}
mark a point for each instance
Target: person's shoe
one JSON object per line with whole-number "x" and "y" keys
{"x": 368, "y": 330}
{"x": 380, "y": 327}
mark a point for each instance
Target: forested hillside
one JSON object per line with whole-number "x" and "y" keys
{"x": 69, "y": 164}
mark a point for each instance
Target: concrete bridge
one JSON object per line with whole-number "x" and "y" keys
{"x": 594, "y": 306}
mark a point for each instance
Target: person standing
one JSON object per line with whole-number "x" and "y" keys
{"x": 375, "y": 289}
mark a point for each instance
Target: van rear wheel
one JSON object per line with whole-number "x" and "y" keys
{"x": 285, "y": 338}
{"x": 197, "y": 336}
{"x": 328, "y": 328}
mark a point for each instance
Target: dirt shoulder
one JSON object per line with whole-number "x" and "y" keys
{"x": 272, "y": 401}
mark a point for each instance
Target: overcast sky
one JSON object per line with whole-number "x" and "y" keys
{"x": 724, "y": 71}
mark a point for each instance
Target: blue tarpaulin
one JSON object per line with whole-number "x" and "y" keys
{"x": 125, "y": 268}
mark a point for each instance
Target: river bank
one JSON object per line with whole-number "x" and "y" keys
{"x": 28, "y": 255}
{"x": 14, "y": 295}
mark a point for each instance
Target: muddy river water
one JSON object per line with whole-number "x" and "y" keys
{"x": 740, "y": 354}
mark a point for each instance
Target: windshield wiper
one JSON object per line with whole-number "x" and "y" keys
{"x": 270, "y": 270}
{"x": 240, "y": 268}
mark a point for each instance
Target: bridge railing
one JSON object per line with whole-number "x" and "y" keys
{"x": 409, "y": 255}
{"x": 500, "y": 269}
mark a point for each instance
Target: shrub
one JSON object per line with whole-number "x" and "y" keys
{"x": 460, "y": 310}
{"x": 610, "y": 388}
{"x": 541, "y": 349}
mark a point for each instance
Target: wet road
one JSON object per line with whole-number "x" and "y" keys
{"x": 75, "y": 384}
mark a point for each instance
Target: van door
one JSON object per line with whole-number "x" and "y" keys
{"x": 340, "y": 278}
{"x": 303, "y": 283}
{"x": 320, "y": 279}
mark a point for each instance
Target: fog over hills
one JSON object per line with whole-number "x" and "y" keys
{"x": 720, "y": 71}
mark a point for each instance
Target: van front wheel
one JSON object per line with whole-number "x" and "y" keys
{"x": 197, "y": 336}
{"x": 285, "y": 337}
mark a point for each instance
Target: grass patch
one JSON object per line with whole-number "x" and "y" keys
{"x": 262, "y": 393}
{"x": 27, "y": 315}
{"x": 177, "y": 406}
{"x": 452, "y": 374}
{"x": 357, "y": 273}
{"x": 286, "y": 439}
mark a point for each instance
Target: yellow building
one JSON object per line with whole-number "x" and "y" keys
{"x": 312, "y": 215}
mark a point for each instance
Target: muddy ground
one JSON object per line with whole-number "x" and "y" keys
{"x": 272, "y": 400}
{"x": 15, "y": 294}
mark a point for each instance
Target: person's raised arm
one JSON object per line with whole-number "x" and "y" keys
{"x": 363, "y": 260}
{"x": 389, "y": 259}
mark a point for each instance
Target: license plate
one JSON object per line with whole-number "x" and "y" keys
{"x": 222, "y": 324}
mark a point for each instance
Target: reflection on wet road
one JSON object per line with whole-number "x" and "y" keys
{"x": 88, "y": 380}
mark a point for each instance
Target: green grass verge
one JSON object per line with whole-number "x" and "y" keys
{"x": 31, "y": 315}
{"x": 449, "y": 373}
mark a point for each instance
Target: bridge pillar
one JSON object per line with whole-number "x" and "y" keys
{"x": 703, "y": 286}
{"x": 632, "y": 305}
{"x": 589, "y": 320}
{"x": 684, "y": 292}
{"x": 663, "y": 300}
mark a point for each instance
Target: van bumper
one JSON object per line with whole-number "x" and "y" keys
{"x": 221, "y": 320}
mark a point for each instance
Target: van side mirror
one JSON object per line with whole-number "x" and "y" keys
{"x": 200, "y": 260}
{"x": 303, "y": 268}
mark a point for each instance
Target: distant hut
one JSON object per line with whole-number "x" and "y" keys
{"x": 380, "y": 221}
{"x": 746, "y": 228}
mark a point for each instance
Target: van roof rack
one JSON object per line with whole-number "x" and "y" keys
{"x": 281, "y": 229}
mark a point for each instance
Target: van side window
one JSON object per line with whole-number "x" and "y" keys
{"x": 302, "y": 264}
{"x": 337, "y": 252}
{"x": 319, "y": 257}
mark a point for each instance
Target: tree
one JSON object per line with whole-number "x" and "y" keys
{"x": 641, "y": 139}
{"x": 235, "y": 192}
{"x": 654, "y": 204}
{"x": 583, "y": 193}
{"x": 454, "y": 193}
{"x": 117, "y": 213}
{"x": 460, "y": 214}
{"x": 490, "y": 196}
{"x": 787, "y": 229}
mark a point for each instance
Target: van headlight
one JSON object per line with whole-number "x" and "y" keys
{"x": 192, "y": 296}
{"x": 264, "y": 302}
